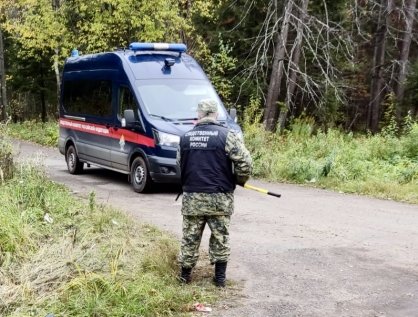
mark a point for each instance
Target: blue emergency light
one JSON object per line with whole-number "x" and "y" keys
{"x": 74, "y": 53}
{"x": 136, "y": 46}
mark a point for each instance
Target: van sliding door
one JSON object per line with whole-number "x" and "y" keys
{"x": 88, "y": 116}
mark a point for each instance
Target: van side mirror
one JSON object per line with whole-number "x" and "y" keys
{"x": 233, "y": 114}
{"x": 129, "y": 117}
{"x": 129, "y": 121}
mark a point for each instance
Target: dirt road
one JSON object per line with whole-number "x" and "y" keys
{"x": 310, "y": 253}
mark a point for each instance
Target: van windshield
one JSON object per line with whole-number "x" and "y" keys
{"x": 176, "y": 99}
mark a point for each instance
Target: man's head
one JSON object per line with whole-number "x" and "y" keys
{"x": 207, "y": 108}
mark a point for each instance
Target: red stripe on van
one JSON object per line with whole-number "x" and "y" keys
{"x": 113, "y": 133}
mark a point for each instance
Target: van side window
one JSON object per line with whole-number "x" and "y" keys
{"x": 126, "y": 101}
{"x": 88, "y": 97}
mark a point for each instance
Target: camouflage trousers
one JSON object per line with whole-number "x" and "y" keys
{"x": 193, "y": 227}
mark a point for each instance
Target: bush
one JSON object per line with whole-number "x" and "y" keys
{"x": 6, "y": 156}
{"x": 41, "y": 133}
{"x": 380, "y": 165}
{"x": 410, "y": 143}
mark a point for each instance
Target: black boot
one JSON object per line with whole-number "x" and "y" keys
{"x": 219, "y": 278}
{"x": 186, "y": 275}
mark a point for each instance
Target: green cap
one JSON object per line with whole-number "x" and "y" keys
{"x": 207, "y": 106}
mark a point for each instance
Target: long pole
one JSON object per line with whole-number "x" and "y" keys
{"x": 262, "y": 190}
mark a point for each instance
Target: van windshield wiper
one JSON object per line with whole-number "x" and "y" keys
{"x": 186, "y": 119}
{"x": 161, "y": 117}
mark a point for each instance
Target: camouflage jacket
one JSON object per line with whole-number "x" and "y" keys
{"x": 197, "y": 204}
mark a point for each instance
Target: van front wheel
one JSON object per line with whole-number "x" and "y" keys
{"x": 73, "y": 163}
{"x": 141, "y": 180}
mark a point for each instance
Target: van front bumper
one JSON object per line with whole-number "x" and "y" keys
{"x": 164, "y": 170}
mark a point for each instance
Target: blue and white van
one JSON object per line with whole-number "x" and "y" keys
{"x": 126, "y": 110}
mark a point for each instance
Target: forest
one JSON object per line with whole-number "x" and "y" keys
{"x": 346, "y": 64}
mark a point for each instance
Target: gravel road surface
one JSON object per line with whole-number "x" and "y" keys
{"x": 310, "y": 253}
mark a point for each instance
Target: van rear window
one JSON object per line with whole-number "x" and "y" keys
{"x": 88, "y": 97}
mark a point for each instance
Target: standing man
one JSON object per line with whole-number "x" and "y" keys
{"x": 212, "y": 160}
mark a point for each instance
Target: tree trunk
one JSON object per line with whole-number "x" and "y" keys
{"x": 377, "y": 85}
{"x": 399, "y": 88}
{"x": 272, "y": 110}
{"x": 3, "y": 106}
{"x": 186, "y": 8}
{"x": 42, "y": 95}
{"x": 294, "y": 65}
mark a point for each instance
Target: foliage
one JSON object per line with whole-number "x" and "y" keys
{"x": 233, "y": 40}
{"x": 5, "y": 146}
{"x": 102, "y": 25}
{"x": 411, "y": 88}
{"x": 220, "y": 65}
{"x": 252, "y": 115}
{"x": 200, "y": 15}
{"x": 36, "y": 25}
{"x": 302, "y": 127}
{"x": 377, "y": 165}
{"x": 60, "y": 256}
{"x": 410, "y": 142}
{"x": 39, "y": 33}
{"x": 39, "y": 132}
{"x": 35, "y": 37}
{"x": 6, "y": 155}
{"x": 390, "y": 126}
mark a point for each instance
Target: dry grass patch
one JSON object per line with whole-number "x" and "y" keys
{"x": 70, "y": 258}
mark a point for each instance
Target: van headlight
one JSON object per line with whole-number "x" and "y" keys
{"x": 166, "y": 139}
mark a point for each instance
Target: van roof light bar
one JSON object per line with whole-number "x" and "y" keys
{"x": 136, "y": 46}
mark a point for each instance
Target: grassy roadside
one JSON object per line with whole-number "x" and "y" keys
{"x": 63, "y": 256}
{"x": 382, "y": 165}
{"x": 41, "y": 133}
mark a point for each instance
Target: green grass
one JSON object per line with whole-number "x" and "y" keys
{"x": 73, "y": 258}
{"x": 6, "y": 155}
{"x": 381, "y": 166}
{"x": 38, "y": 132}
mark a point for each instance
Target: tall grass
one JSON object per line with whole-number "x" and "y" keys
{"x": 71, "y": 258}
{"x": 383, "y": 165}
{"x": 34, "y": 131}
{"x": 6, "y": 155}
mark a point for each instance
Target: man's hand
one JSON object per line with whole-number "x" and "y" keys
{"x": 241, "y": 180}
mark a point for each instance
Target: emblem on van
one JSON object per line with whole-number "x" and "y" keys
{"x": 122, "y": 143}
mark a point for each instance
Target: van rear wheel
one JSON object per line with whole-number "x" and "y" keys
{"x": 73, "y": 163}
{"x": 141, "y": 180}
